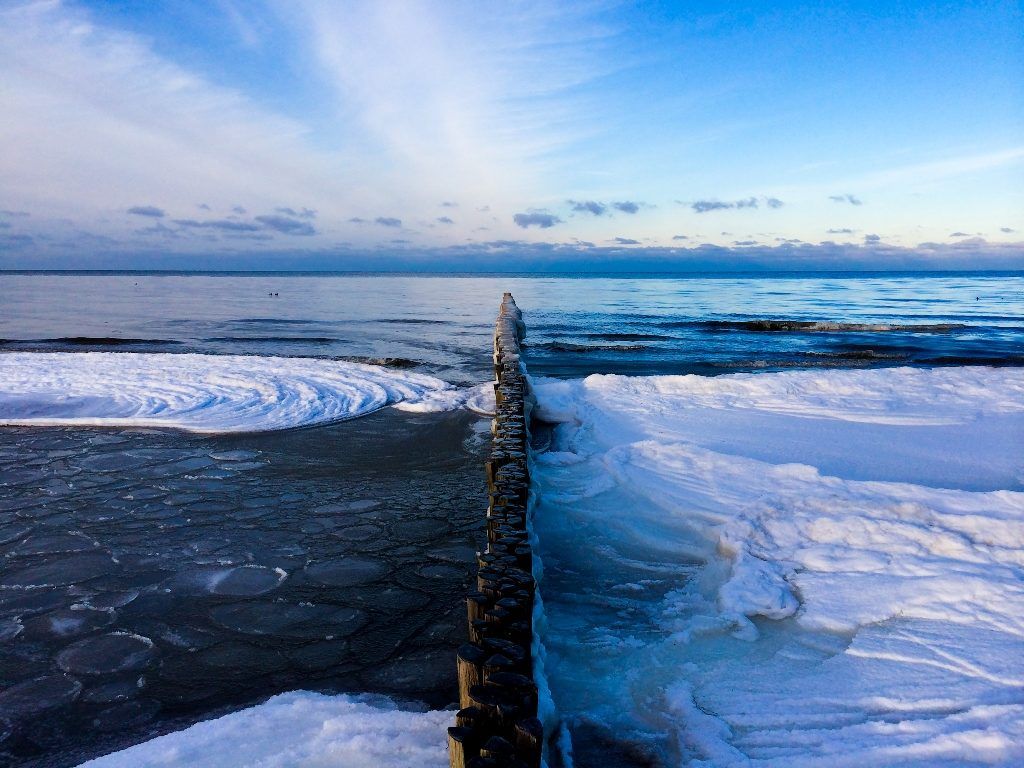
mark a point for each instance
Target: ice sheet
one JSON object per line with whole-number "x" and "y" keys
{"x": 208, "y": 393}
{"x": 300, "y": 730}
{"x": 799, "y": 568}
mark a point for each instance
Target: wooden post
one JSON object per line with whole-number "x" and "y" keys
{"x": 498, "y": 725}
{"x": 469, "y": 659}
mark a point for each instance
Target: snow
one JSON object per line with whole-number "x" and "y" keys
{"x": 479, "y": 399}
{"x": 300, "y": 730}
{"x": 797, "y": 568}
{"x": 209, "y": 393}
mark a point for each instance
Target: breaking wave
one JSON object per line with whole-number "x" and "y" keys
{"x": 207, "y": 393}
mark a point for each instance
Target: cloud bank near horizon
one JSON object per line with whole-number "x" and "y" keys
{"x": 623, "y": 255}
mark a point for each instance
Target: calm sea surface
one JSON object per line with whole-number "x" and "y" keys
{"x": 150, "y": 579}
{"x": 576, "y": 326}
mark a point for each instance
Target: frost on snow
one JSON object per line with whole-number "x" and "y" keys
{"x": 797, "y": 568}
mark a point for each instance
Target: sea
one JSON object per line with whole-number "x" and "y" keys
{"x": 154, "y": 577}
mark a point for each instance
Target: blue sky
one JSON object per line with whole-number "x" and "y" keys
{"x": 448, "y": 135}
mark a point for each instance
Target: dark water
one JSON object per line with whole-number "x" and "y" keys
{"x": 159, "y": 578}
{"x": 150, "y": 579}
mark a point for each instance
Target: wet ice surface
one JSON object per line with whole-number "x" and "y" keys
{"x": 152, "y": 579}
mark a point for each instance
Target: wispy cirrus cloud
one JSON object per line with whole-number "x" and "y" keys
{"x": 479, "y": 92}
{"x": 61, "y": 64}
{"x": 948, "y": 167}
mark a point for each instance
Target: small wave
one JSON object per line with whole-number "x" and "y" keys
{"x": 820, "y": 326}
{"x": 560, "y": 346}
{"x": 274, "y": 339}
{"x": 203, "y": 393}
{"x": 820, "y": 362}
{"x": 89, "y": 341}
{"x": 868, "y": 359}
{"x": 386, "y": 362}
{"x": 859, "y": 354}
{"x": 996, "y": 361}
{"x": 412, "y": 321}
{"x": 627, "y": 336}
{"x": 272, "y": 321}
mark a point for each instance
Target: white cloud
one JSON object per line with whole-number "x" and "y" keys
{"x": 432, "y": 101}
{"x": 937, "y": 170}
{"x": 458, "y": 96}
{"x": 94, "y": 121}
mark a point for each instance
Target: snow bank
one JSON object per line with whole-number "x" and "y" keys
{"x": 300, "y": 730}
{"x": 819, "y": 568}
{"x": 479, "y": 399}
{"x": 207, "y": 393}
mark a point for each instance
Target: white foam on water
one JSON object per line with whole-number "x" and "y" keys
{"x": 207, "y": 393}
{"x": 300, "y": 730}
{"x": 790, "y": 569}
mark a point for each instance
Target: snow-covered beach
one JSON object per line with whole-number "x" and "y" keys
{"x": 798, "y": 568}
{"x": 812, "y": 560}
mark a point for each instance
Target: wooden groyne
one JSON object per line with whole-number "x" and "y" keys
{"x": 498, "y": 725}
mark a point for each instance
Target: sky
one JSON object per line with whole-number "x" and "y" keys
{"x": 513, "y": 136}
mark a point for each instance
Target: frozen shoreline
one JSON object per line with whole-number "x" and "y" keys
{"x": 800, "y": 568}
{"x": 210, "y": 393}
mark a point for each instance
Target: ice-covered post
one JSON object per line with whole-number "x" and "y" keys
{"x": 498, "y": 725}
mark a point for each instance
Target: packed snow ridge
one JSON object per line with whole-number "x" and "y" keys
{"x": 300, "y": 730}
{"x": 818, "y": 568}
{"x": 209, "y": 393}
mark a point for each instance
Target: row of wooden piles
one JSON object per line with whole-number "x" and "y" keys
{"x": 497, "y": 726}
